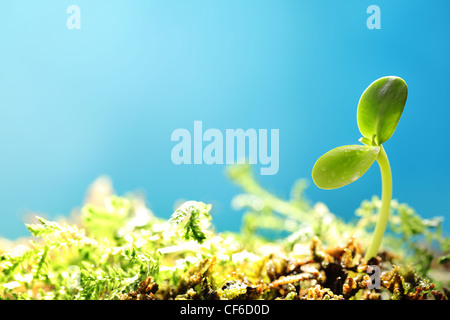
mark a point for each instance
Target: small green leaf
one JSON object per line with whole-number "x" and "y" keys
{"x": 343, "y": 165}
{"x": 380, "y": 108}
{"x": 365, "y": 141}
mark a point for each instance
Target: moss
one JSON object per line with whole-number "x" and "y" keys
{"x": 139, "y": 256}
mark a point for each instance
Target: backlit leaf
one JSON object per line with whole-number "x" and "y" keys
{"x": 380, "y": 108}
{"x": 343, "y": 165}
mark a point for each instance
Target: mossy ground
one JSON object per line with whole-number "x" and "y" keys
{"x": 334, "y": 273}
{"x": 116, "y": 248}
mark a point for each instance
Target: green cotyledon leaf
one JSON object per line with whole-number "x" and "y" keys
{"x": 343, "y": 165}
{"x": 380, "y": 108}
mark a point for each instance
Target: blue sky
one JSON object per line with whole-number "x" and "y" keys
{"x": 104, "y": 99}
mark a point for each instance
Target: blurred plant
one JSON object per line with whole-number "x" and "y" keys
{"x": 107, "y": 220}
{"x": 295, "y": 220}
{"x": 379, "y": 111}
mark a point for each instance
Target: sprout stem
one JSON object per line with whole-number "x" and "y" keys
{"x": 386, "y": 196}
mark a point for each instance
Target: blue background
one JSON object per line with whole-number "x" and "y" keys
{"x": 77, "y": 104}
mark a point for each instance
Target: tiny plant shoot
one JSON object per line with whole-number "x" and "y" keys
{"x": 379, "y": 111}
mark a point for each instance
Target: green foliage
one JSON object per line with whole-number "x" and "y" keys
{"x": 192, "y": 217}
{"x": 107, "y": 220}
{"x": 417, "y": 239}
{"x": 109, "y": 283}
{"x": 108, "y": 268}
{"x": 188, "y": 260}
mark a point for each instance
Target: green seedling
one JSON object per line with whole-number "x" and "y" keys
{"x": 379, "y": 110}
